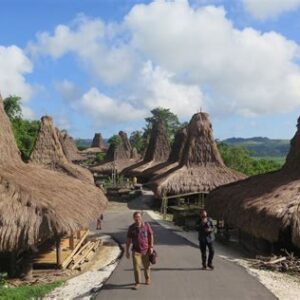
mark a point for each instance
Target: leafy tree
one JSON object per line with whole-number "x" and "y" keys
{"x": 138, "y": 141}
{"x": 239, "y": 159}
{"x": 114, "y": 141}
{"x": 25, "y": 131}
{"x": 12, "y": 107}
{"x": 100, "y": 157}
{"x": 170, "y": 120}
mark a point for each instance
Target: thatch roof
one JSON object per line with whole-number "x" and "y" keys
{"x": 48, "y": 152}
{"x": 69, "y": 147}
{"x": 201, "y": 168}
{"x": 36, "y": 203}
{"x": 158, "y": 151}
{"x": 98, "y": 142}
{"x": 173, "y": 160}
{"x": 121, "y": 156}
{"x": 266, "y": 206}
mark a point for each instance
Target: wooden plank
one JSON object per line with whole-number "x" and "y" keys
{"x": 81, "y": 259}
{"x": 67, "y": 261}
{"x": 184, "y": 195}
{"x": 74, "y": 258}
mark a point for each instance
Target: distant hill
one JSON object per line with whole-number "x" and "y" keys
{"x": 262, "y": 146}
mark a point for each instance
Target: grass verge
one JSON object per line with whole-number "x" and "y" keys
{"x": 28, "y": 291}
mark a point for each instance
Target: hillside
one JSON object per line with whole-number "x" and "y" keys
{"x": 261, "y": 146}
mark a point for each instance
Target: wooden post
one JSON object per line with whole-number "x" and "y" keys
{"x": 165, "y": 207}
{"x": 58, "y": 253}
{"x": 71, "y": 241}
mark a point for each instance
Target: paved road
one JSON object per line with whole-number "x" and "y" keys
{"x": 177, "y": 275}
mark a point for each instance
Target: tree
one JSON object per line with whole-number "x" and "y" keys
{"x": 138, "y": 141}
{"x": 114, "y": 141}
{"x": 239, "y": 159}
{"x": 25, "y": 131}
{"x": 170, "y": 120}
{"x": 12, "y": 107}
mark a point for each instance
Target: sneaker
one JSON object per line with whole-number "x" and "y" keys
{"x": 136, "y": 286}
{"x": 211, "y": 267}
{"x": 203, "y": 268}
{"x": 148, "y": 282}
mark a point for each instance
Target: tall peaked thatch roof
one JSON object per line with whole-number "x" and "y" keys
{"x": 201, "y": 168}
{"x": 120, "y": 157}
{"x": 266, "y": 206}
{"x": 158, "y": 148}
{"x": 173, "y": 160}
{"x": 48, "y": 152}
{"x": 37, "y": 204}
{"x": 157, "y": 151}
{"x": 98, "y": 141}
{"x": 69, "y": 147}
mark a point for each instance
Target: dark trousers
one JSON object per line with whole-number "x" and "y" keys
{"x": 203, "y": 244}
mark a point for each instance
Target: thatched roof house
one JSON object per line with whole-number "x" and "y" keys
{"x": 37, "y": 204}
{"x": 48, "y": 152}
{"x": 69, "y": 147}
{"x": 97, "y": 146}
{"x": 119, "y": 157}
{"x": 98, "y": 142}
{"x": 201, "y": 168}
{"x": 158, "y": 151}
{"x": 265, "y": 206}
{"x": 173, "y": 160}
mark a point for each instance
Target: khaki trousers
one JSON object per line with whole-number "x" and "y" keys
{"x": 140, "y": 259}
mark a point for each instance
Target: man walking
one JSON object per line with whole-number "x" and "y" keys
{"x": 206, "y": 237}
{"x": 140, "y": 235}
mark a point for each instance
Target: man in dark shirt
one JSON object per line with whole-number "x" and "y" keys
{"x": 140, "y": 235}
{"x": 206, "y": 237}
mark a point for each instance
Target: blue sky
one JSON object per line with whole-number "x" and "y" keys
{"x": 102, "y": 65}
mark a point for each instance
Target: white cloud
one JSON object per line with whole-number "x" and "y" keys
{"x": 241, "y": 71}
{"x": 198, "y": 58}
{"x": 106, "y": 109}
{"x": 28, "y": 113}
{"x": 14, "y": 65}
{"x": 264, "y": 9}
{"x": 157, "y": 88}
{"x": 99, "y": 47}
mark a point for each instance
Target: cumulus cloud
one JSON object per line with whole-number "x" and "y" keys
{"x": 14, "y": 65}
{"x": 104, "y": 108}
{"x": 157, "y": 88}
{"x": 168, "y": 53}
{"x": 264, "y": 9}
{"x": 98, "y": 45}
{"x": 241, "y": 71}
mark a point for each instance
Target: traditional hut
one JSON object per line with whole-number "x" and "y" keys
{"x": 119, "y": 157}
{"x": 37, "y": 204}
{"x": 201, "y": 168}
{"x": 173, "y": 160}
{"x": 97, "y": 146}
{"x": 158, "y": 151}
{"x": 48, "y": 152}
{"x": 98, "y": 141}
{"x": 265, "y": 207}
{"x": 69, "y": 147}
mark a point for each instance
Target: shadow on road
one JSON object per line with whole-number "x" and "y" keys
{"x": 170, "y": 269}
{"x": 127, "y": 286}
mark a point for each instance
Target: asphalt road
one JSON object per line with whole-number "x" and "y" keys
{"x": 177, "y": 274}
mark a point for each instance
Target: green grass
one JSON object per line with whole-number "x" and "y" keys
{"x": 28, "y": 291}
